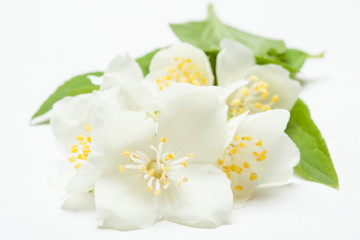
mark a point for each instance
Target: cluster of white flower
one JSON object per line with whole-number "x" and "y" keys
{"x": 171, "y": 145}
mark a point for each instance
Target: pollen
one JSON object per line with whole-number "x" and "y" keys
{"x": 246, "y": 164}
{"x": 77, "y": 165}
{"x": 166, "y": 168}
{"x": 190, "y": 155}
{"x": 88, "y": 139}
{"x": 185, "y": 164}
{"x": 245, "y": 91}
{"x": 142, "y": 168}
{"x": 157, "y": 192}
{"x": 178, "y": 183}
{"x": 259, "y": 143}
{"x": 220, "y": 162}
{"x": 275, "y": 98}
{"x": 234, "y": 150}
{"x": 258, "y": 105}
{"x": 126, "y": 153}
{"x": 121, "y": 168}
{"x": 253, "y": 176}
{"x": 185, "y": 179}
{"x": 80, "y": 137}
{"x": 72, "y": 159}
{"x": 238, "y": 188}
{"x": 236, "y": 102}
{"x": 243, "y": 145}
{"x": 88, "y": 128}
{"x": 149, "y": 189}
{"x": 80, "y": 156}
{"x": 164, "y": 140}
{"x": 248, "y": 138}
{"x": 236, "y": 137}
{"x": 266, "y": 108}
{"x": 171, "y": 155}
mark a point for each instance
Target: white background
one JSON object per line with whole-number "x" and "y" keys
{"x": 44, "y": 43}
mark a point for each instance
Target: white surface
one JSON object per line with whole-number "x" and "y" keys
{"x": 44, "y": 43}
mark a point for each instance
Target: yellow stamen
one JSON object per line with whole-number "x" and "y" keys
{"x": 258, "y": 105}
{"x": 78, "y": 165}
{"x": 190, "y": 155}
{"x": 253, "y": 176}
{"x": 275, "y": 98}
{"x": 121, "y": 168}
{"x": 166, "y": 169}
{"x": 238, "y": 188}
{"x": 157, "y": 192}
{"x": 88, "y": 128}
{"x": 236, "y": 137}
{"x": 185, "y": 164}
{"x": 171, "y": 155}
{"x": 245, "y": 91}
{"x": 80, "y": 137}
{"x": 248, "y": 138}
{"x": 163, "y": 140}
{"x": 149, "y": 189}
{"x": 220, "y": 162}
{"x": 266, "y": 108}
{"x": 246, "y": 164}
{"x": 142, "y": 168}
{"x": 88, "y": 139}
{"x": 126, "y": 153}
{"x": 234, "y": 150}
{"x": 72, "y": 159}
{"x": 259, "y": 143}
{"x": 243, "y": 145}
{"x": 185, "y": 179}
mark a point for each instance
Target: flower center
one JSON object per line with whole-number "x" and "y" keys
{"x": 158, "y": 173}
{"x": 242, "y": 156}
{"x": 84, "y": 144}
{"x": 156, "y": 167}
{"x": 254, "y": 98}
{"x": 183, "y": 70}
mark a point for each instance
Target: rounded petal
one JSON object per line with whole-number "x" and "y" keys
{"x": 204, "y": 201}
{"x": 69, "y": 118}
{"x": 115, "y": 131}
{"x": 233, "y": 62}
{"x": 74, "y": 180}
{"x": 123, "y": 203}
{"x": 79, "y": 202}
{"x": 121, "y": 68}
{"x": 282, "y": 154}
{"x": 194, "y": 123}
{"x": 179, "y": 89}
{"x": 279, "y": 83}
{"x": 165, "y": 59}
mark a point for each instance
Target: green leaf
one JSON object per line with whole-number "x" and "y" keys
{"x": 207, "y": 35}
{"x": 145, "y": 60}
{"x": 77, "y": 85}
{"x": 315, "y": 161}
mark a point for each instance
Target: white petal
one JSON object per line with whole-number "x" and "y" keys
{"x": 115, "y": 131}
{"x": 282, "y": 153}
{"x": 72, "y": 180}
{"x": 121, "y": 68}
{"x": 165, "y": 59}
{"x": 179, "y": 89}
{"x": 79, "y": 202}
{"x": 279, "y": 83}
{"x": 123, "y": 203}
{"x": 204, "y": 201}
{"x": 232, "y": 126}
{"x": 194, "y": 123}
{"x": 233, "y": 62}
{"x": 69, "y": 118}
